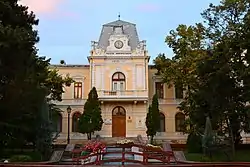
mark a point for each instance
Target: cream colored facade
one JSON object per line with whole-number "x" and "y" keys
{"x": 125, "y": 82}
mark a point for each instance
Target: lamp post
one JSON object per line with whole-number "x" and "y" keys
{"x": 68, "y": 111}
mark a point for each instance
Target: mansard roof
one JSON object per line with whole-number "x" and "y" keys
{"x": 128, "y": 29}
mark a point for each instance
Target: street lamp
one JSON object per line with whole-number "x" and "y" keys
{"x": 68, "y": 111}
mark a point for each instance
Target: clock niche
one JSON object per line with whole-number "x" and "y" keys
{"x": 118, "y": 43}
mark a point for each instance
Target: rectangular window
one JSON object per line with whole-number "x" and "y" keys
{"x": 159, "y": 89}
{"x": 179, "y": 91}
{"x": 78, "y": 90}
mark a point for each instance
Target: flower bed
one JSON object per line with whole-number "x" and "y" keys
{"x": 93, "y": 147}
{"x": 153, "y": 147}
{"x": 125, "y": 143}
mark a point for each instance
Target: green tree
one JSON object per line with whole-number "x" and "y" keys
{"x": 27, "y": 84}
{"x": 91, "y": 119}
{"x": 209, "y": 61}
{"x": 153, "y": 118}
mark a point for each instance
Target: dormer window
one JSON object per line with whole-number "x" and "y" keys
{"x": 118, "y": 30}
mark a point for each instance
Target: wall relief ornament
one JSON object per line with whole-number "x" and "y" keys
{"x": 141, "y": 47}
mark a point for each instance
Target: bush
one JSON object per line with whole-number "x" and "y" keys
{"x": 20, "y": 158}
{"x": 194, "y": 144}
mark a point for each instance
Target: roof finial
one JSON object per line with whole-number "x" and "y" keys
{"x": 119, "y": 16}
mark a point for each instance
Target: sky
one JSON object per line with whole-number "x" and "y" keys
{"x": 67, "y": 27}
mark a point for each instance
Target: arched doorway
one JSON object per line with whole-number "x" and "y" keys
{"x": 75, "y": 119}
{"x": 162, "y": 122}
{"x": 179, "y": 122}
{"x": 118, "y": 122}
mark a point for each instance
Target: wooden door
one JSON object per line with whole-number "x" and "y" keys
{"x": 119, "y": 126}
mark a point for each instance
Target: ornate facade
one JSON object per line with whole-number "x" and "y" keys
{"x": 118, "y": 68}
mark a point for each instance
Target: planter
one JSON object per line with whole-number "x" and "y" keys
{"x": 155, "y": 149}
{"x": 125, "y": 145}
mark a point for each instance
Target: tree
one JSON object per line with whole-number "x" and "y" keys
{"x": 27, "y": 83}
{"x": 153, "y": 118}
{"x": 91, "y": 119}
{"x": 62, "y": 62}
{"x": 211, "y": 60}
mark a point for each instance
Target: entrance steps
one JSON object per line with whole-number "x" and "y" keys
{"x": 111, "y": 156}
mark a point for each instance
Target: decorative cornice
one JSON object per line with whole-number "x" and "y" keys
{"x": 157, "y": 77}
{"x": 118, "y": 57}
{"x": 68, "y": 66}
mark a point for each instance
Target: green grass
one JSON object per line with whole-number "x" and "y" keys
{"x": 241, "y": 156}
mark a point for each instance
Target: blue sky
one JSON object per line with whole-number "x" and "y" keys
{"x": 67, "y": 26}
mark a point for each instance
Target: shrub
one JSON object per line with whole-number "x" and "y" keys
{"x": 194, "y": 144}
{"x": 20, "y": 158}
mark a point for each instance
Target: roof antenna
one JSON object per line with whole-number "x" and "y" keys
{"x": 119, "y": 16}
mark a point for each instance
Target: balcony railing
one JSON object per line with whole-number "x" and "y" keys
{"x": 123, "y": 94}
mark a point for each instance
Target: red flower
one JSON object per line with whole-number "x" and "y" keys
{"x": 94, "y": 146}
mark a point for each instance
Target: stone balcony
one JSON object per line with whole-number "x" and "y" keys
{"x": 108, "y": 95}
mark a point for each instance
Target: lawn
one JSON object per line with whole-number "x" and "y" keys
{"x": 240, "y": 156}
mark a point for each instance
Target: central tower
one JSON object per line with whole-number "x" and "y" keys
{"x": 119, "y": 70}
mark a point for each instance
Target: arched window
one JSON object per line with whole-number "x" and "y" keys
{"x": 75, "y": 119}
{"x": 119, "y": 111}
{"x": 179, "y": 122}
{"x": 162, "y": 123}
{"x": 118, "y": 81}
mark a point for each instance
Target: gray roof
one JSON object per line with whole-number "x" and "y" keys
{"x": 128, "y": 29}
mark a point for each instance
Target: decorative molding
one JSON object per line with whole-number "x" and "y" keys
{"x": 103, "y": 81}
{"x": 120, "y": 70}
{"x": 157, "y": 78}
{"x": 125, "y": 56}
{"x": 140, "y": 122}
{"x": 115, "y": 37}
{"x": 140, "y": 73}
{"x": 98, "y": 77}
{"x": 78, "y": 76}
{"x": 134, "y": 76}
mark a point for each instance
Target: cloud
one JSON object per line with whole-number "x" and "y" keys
{"x": 148, "y": 7}
{"x": 51, "y": 9}
{"x": 42, "y": 6}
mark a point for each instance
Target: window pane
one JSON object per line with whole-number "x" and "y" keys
{"x": 178, "y": 91}
{"x": 121, "y": 76}
{"x": 159, "y": 89}
{"x": 121, "y": 86}
{"x": 78, "y": 90}
{"x": 115, "y": 76}
{"x": 114, "y": 86}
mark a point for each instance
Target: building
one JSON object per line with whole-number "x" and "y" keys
{"x": 118, "y": 68}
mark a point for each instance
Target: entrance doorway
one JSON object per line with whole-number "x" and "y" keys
{"x": 118, "y": 122}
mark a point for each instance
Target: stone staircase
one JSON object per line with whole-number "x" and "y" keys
{"x": 112, "y": 156}
{"x": 63, "y": 156}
